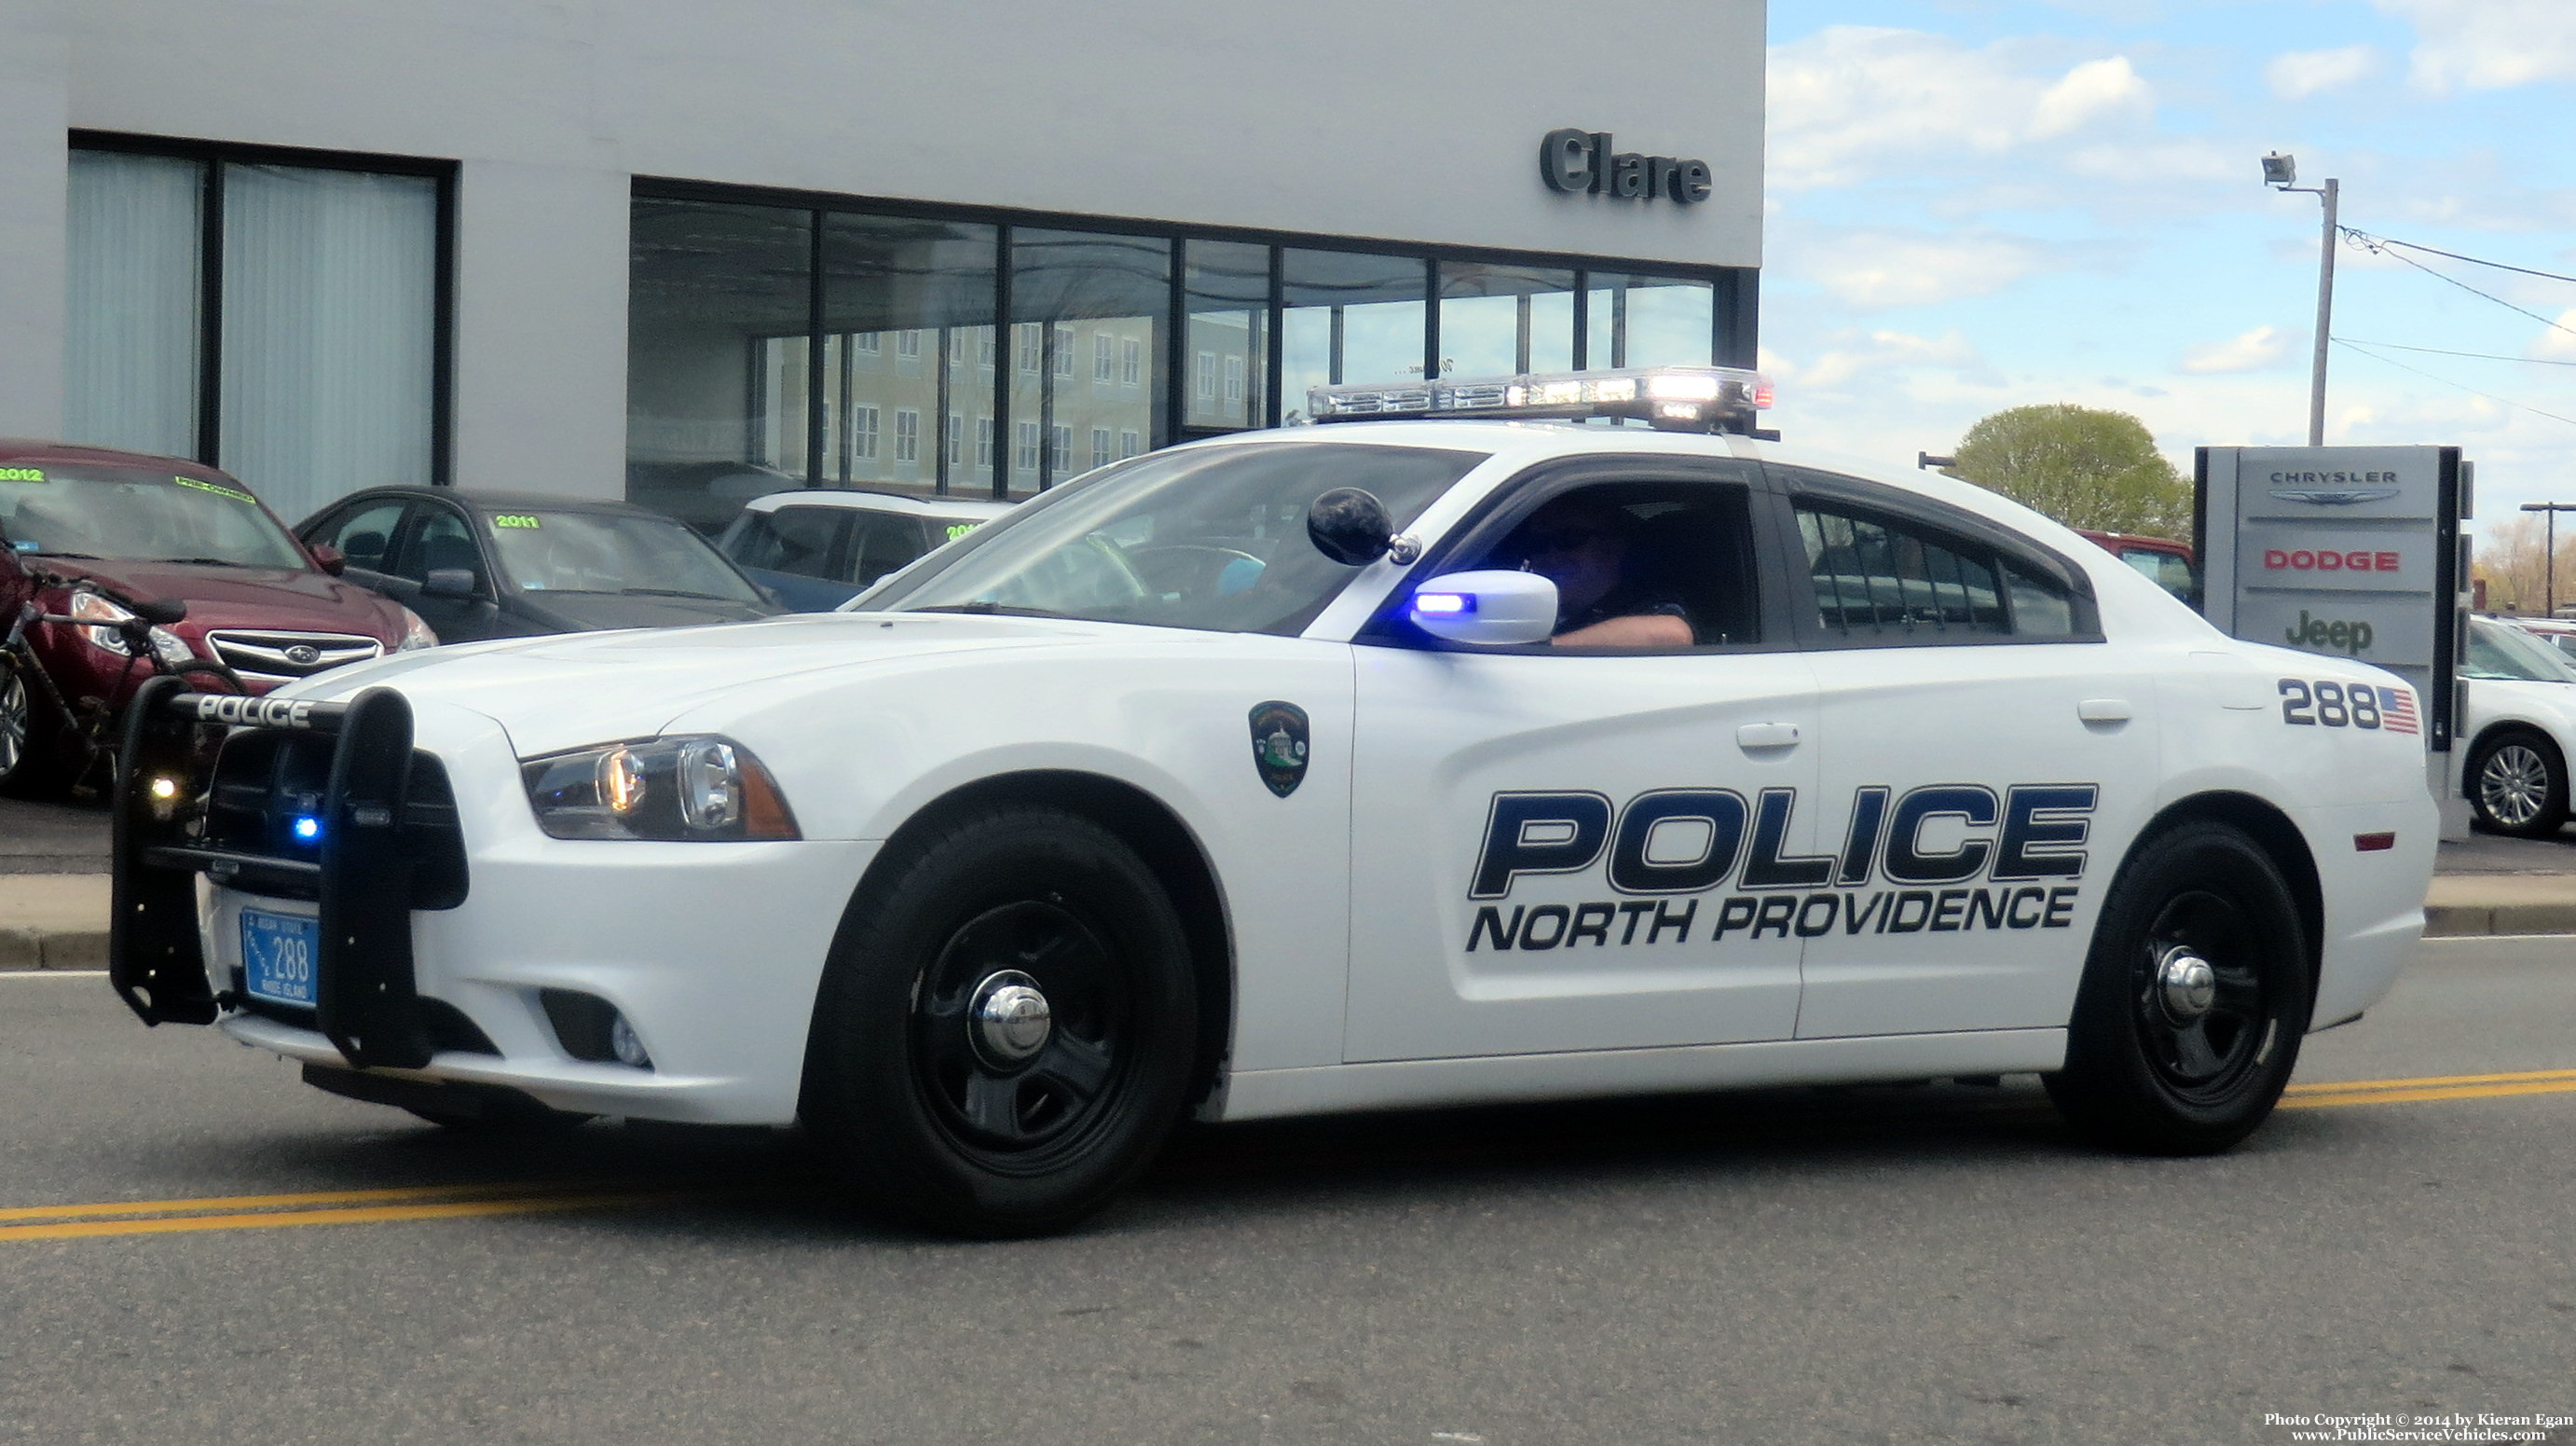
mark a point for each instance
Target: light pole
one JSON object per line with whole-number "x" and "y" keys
{"x": 2549, "y": 550}
{"x": 2279, "y": 171}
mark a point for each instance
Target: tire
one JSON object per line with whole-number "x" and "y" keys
{"x": 31, "y": 762}
{"x": 976, "y": 1123}
{"x": 2143, "y": 1074}
{"x": 2517, "y": 784}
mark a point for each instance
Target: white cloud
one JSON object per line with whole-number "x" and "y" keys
{"x": 2252, "y": 351}
{"x": 1877, "y": 270}
{"x": 1851, "y": 355}
{"x": 2303, "y": 73}
{"x": 2558, "y": 343}
{"x": 1852, "y": 100}
{"x": 2489, "y": 44}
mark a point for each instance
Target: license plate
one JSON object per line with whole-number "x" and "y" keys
{"x": 278, "y": 951}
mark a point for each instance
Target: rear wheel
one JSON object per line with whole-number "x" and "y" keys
{"x": 2194, "y": 999}
{"x": 2517, "y": 784}
{"x": 1006, "y": 1028}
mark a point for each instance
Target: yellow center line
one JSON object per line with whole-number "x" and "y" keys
{"x": 2349, "y": 1086}
{"x": 359, "y": 1215}
{"x": 2455, "y": 1092}
{"x": 216, "y": 1203}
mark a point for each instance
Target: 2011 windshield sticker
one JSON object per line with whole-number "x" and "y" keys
{"x": 1953, "y": 857}
{"x": 957, "y": 530}
{"x": 216, "y": 488}
{"x": 22, "y": 474}
{"x": 524, "y": 521}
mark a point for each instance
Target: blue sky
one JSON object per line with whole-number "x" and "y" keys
{"x": 1979, "y": 205}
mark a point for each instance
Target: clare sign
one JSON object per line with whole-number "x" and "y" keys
{"x": 1581, "y": 162}
{"x": 2353, "y": 552}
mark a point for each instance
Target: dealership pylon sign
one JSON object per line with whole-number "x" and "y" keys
{"x": 2350, "y": 551}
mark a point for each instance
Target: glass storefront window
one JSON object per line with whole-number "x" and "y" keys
{"x": 1072, "y": 294}
{"x": 1502, "y": 321}
{"x": 131, "y": 356}
{"x": 1648, "y": 321}
{"x": 1349, "y": 317}
{"x": 1227, "y": 286}
{"x": 718, "y": 322}
{"x": 931, "y": 284}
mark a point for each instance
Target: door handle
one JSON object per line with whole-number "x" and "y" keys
{"x": 2104, "y": 710}
{"x": 1766, "y": 735}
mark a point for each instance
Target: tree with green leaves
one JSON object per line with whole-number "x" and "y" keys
{"x": 2086, "y": 468}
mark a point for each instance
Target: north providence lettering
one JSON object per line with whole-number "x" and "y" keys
{"x": 2021, "y": 845}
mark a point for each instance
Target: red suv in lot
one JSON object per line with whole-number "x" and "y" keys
{"x": 81, "y": 527}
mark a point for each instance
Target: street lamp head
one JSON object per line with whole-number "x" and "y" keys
{"x": 2280, "y": 170}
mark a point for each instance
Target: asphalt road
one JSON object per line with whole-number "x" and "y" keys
{"x": 1932, "y": 1264}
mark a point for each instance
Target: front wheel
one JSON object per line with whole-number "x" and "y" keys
{"x": 2517, "y": 784}
{"x": 1006, "y": 1029}
{"x": 30, "y": 740}
{"x": 2194, "y": 999}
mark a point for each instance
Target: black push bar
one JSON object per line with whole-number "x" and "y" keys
{"x": 364, "y": 878}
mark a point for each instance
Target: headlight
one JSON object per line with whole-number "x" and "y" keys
{"x": 416, "y": 634}
{"x": 678, "y": 789}
{"x": 90, "y": 607}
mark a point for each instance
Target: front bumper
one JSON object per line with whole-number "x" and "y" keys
{"x": 712, "y": 952}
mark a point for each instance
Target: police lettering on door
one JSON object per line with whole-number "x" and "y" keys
{"x": 1944, "y": 858}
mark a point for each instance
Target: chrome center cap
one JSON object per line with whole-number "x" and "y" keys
{"x": 1009, "y": 1018}
{"x": 2185, "y": 984}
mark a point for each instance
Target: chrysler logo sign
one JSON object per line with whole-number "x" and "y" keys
{"x": 1575, "y": 161}
{"x": 2333, "y": 489}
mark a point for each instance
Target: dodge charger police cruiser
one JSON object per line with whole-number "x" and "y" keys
{"x": 1471, "y": 753}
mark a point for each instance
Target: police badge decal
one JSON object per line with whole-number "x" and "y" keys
{"x": 1279, "y": 745}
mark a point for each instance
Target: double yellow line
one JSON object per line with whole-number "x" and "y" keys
{"x": 324, "y": 1207}
{"x": 2433, "y": 1087}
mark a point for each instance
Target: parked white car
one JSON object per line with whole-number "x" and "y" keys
{"x": 2520, "y": 730}
{"x": 1345, "y": 767}
{"x": 821, "y": 546}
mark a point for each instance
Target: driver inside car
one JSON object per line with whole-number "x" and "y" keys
{"x": 1584, "y": 546}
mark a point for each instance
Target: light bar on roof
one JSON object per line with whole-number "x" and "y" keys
{"x": 1681, "y": 399}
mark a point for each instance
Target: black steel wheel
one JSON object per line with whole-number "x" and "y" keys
{"x": 1007, "y": 1026}
{"x": 2194, "y": 999}
{"x": 2517, "y": 784}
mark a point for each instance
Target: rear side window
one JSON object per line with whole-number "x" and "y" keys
{"x": 788, "y": 539}
{"x": 1892, "y": 580}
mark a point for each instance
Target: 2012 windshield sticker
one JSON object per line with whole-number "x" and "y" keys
{"x": 22, "y": 474}
{"x": 219, "y": 490}
{"x": 1954, "y": 857}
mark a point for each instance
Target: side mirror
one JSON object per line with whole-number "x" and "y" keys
{"x": 330, "y": 559}
{"x": 1350, "y": 526}
{"x": 457, "y": 582}
{"x": 161, "y": 612}
{"x": 1486, "y": 607}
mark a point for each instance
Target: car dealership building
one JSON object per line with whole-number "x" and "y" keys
{"x": 691, "y": 253}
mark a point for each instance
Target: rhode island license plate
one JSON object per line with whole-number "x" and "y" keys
{"x": 277, "y": 957}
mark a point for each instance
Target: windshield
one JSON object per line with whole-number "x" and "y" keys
{"x": 613, "y": 553}
{"x": 132, "y": 515}
{"x": 2497, "y": 650}
{"x": 1209, "y": 537}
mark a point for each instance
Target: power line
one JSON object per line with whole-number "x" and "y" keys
{"x": 2446, "y": 381}
{"x": 2538, "y": 361}
{"x": 2472, "y": 260}
{"x": 2377, "y": 247}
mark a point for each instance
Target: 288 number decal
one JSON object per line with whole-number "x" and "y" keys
{"x": 2328, "y": 704}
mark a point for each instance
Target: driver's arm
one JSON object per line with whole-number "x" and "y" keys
{"x": 1640, "y": 630}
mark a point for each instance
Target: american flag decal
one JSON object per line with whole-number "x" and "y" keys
{"x": 2397, "y": 710}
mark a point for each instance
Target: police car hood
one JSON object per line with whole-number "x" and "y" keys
{"x": 574, "y": 689}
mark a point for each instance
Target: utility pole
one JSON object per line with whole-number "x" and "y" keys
{"x": 2278, "y": 172}
{"x": 2549, "y": 549}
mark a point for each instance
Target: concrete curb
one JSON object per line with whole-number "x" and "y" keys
{"x": 23, "y": 950}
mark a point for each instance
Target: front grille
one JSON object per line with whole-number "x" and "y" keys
{"x": 267, "y": 779}
{"x": 281, "y": 657}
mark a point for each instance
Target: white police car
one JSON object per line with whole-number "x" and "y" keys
{"x": 1420, "y": 762}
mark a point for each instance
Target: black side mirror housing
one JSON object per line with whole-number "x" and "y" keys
{"x": 161, "y": 613}
{"x": 448, "y": 582}
{"x": 1350, "y": 526}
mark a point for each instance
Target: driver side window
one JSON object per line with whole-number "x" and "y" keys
{"x": 440, "y": 539}
{"x": 364, "y": 534}
{"x": 1641, "y": 564}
